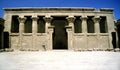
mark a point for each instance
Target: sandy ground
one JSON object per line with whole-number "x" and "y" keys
{"x": 60, "y": 60}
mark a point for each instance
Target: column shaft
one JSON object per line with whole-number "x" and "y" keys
{"x": 21, "y": 30}
{"x": 84, "y": 24}
{"x": 21, "y": 26}
{"x": 97, "y": 27}
{"x": 48, "y": 21}
{"x": 70, "y": 30}
{"x": 34, "y": 31}
{"x": 34, "y": 25}
{"x": 84, "y": 29}
{"x": 97, "y": 30}
{"x": 70, "y": 37}
{"x": 49, "y": 33}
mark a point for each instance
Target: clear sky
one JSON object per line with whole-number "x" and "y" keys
{"x": 62, "y": 3}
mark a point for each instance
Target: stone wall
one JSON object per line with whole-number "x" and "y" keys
{"x": 91, "y": 41}
{"x": 14, "y": 41}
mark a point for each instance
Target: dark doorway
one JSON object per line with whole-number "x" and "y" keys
{"x": 1, "y": 36}
{"x": 60, "y": 34}
{"x": 114, "y": 39}
{"x": 6, "y": 39}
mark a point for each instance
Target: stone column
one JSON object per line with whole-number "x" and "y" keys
{"x": 84, "y": 24}
{"x": 21, "y": 24}
{"x": 97, "y": 30}
{"x": 34, "y": 25}
{"x": 48, "y": 21}
{"x": 34, "y": 31}
{"x": 70, "y": 37}
{"x": 49, "y": 31}
{"x": 97, "y": 26}
{"x": 50, "y": 38}
{"x": 21, "y": 30}
{"x": 84, "y": 30}
{"x": 70, "y": 30}
{"x": 71, "y": 22}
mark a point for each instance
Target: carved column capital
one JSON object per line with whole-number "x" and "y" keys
{"x": 48, "y": 19}
{"x": 84, "y": 18}
{"x": 71, "y": 22}
{"x": 22, "y": 19}
{"x": 96, "y": 19}
{"x": 34, "y": 18}
{"x": 70, "y": 19}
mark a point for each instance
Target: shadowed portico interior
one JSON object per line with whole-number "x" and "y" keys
{"x": 59, "y": 34}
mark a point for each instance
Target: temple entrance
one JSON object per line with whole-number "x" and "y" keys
{"x": 60, "y": 34}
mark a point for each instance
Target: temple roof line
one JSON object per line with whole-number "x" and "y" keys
{"x": 58, "y": 9}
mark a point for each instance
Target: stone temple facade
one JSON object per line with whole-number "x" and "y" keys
{"x": 59, "y": 28}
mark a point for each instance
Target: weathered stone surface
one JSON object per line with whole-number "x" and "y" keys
{"x": 41, "y": 42}
{"x": 103, "y": 42}
{"x": 80, "y": 42}
{"x": 15, "y": 42}
{"x": 92, "y": 42}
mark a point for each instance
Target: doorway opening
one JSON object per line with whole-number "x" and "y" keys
{"x": 114, "y": 39}
{"x": 6, "y": 40}
{"x": 60, "y": 40}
